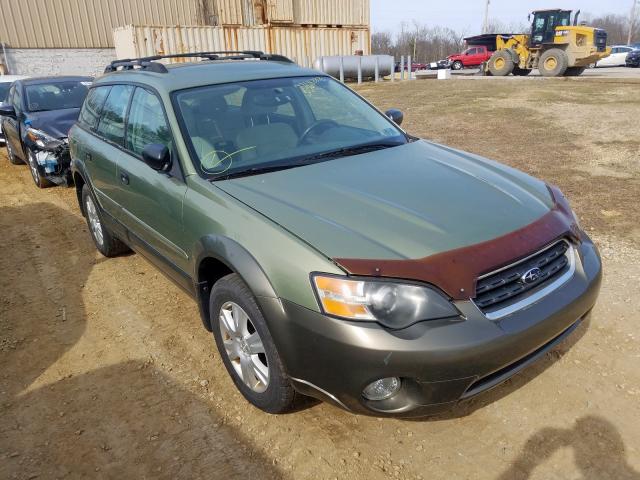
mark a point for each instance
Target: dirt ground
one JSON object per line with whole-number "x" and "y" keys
{"x": 106, "y": 371}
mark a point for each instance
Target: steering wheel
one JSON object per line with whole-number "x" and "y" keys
{"x": 314, "y": 126}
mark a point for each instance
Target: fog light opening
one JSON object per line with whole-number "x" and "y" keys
{"x": 382, "y": 389}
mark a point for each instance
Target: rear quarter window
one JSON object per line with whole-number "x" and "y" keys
{"x": 92, "y": 107}
{"x": 111, "y": 125}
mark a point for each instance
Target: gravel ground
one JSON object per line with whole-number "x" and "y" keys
{"x": 107, "y": 372}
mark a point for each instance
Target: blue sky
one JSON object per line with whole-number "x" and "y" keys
{"x": 467, "y": 15}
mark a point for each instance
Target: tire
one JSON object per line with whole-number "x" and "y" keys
{"x": 106, "y": 243}
{"x": 36, "y": 171}
{"x": 457, "y": 65}
{"x": 521, "y": 72}
{"x": 553, "y": 63}
{"x": 272, "y": 391}
{"x": 574, "y": 71}
{"x": 12, "y": 156}
{"x": 501, "y": 63}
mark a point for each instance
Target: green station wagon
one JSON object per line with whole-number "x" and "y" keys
{"x": 330, "y": 253}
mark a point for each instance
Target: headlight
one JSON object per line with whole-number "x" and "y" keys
{"x": 41, "y": 139}
{"x": 394, "y": 305}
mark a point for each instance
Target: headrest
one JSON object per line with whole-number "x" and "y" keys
{"x": 210, "y": 105}
{"x": 264, "y": 100}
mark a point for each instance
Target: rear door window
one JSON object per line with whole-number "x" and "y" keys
{"x": 146, "y": 124}
{"x": 111, "y": 125}
{"x": 92, "y": 107}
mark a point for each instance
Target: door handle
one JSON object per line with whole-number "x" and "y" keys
{"x": 124, "y": 178}
{"x": 87, "y": 157}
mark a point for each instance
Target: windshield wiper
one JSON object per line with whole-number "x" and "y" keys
{"x": 255, "y": 171}
{"x": 355, "y": 150}
{"x": 341, "y": 152}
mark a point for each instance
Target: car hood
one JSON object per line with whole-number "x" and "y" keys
{"x": 56, "y": 123}
{"x": 409, "y": 201}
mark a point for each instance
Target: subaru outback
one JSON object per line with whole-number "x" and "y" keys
{"x": 330, "y": 253}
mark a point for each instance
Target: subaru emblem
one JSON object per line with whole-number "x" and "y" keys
{"x": 531, "y": 276}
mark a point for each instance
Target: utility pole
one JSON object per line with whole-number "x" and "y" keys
{"x": 632, "y": 21}
{"x": 485, "y": 24}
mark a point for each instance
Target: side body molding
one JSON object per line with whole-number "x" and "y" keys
{"x": 235, "y": 257}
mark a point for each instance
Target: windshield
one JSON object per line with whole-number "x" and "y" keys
{"x": 56, "y": 95}
{"x": 4, "y": 91}
{"x": 252, "y": 127}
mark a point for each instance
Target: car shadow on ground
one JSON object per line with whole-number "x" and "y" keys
{"x": 597, "y": 447}
{"x": 128, "y": 420}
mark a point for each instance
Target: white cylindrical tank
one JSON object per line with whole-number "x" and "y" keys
{"x": 331, "y": 65}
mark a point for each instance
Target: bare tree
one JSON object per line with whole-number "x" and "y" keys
{"x": 428, "y": 44}
{"x": 424, "y": 44}
{"x": 617, "y": 27}
{"x": 633, "y": 21}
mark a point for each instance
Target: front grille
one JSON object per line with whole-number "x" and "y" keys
{"x": 510, "y": 285}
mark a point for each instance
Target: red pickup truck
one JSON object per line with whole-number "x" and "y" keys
{"x": 471, "y": 57}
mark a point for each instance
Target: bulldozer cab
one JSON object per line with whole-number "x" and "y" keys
{"x": 544, "y": 25}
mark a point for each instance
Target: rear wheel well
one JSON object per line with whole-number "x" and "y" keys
{"x": 210, "y": 271}
{"x": 79, "y": 182}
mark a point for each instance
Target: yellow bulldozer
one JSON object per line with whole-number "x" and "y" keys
{"x": 556, "y": 47}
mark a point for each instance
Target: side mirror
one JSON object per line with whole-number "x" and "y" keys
{"x": 157, "y": 156}
{"x": 7, "y": 110}
{"x": 396, "y": 115}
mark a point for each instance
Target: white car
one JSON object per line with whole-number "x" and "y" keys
{"x": 617, "y": 57}
{"x": 5, "y": 83}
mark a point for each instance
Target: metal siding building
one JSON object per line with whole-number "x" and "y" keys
{"x": 299, "y": 43}
{"x": 89, "y": 23}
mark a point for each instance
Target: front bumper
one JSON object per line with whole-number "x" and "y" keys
{"x": 440, "y": 362}
{"x": 440, "y": 64}
{"x": 55, "y": 166}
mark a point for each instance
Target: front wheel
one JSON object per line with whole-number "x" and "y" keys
{"x": 457, "y": 65}
{"x": 246, "y": 346}
{"x": 36, "y": 172}
{"x": 501, "y": 63}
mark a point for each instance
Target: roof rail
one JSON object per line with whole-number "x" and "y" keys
{"x": 150, "y": 63}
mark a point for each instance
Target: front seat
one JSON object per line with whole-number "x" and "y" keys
{"x": 264, "y": 138}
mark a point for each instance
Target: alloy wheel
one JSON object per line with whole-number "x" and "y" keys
{"x": 244, "y": 347}
{"x": 94, "y": 221}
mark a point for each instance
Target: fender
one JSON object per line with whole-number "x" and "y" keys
{"x": 78, "y": 168}
{"x": 236, "y": 258}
